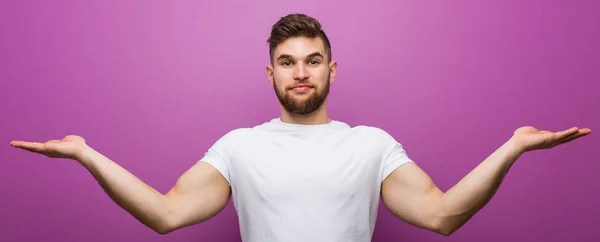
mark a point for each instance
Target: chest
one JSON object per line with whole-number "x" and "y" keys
{"x": 297, "y": 169}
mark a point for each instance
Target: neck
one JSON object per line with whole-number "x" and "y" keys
{"x": 318, "y": 116}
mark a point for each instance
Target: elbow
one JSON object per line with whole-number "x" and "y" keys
{"x": 445, "y": 231}
{"x": 165, "y": 222}
{"x": 444, "y": 227}
{"x": 162, "y": 230}
{"x": 162, "y": 226}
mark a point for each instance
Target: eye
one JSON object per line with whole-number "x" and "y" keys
{"x": 313, "y": 62}
{"x": 286, "y": 63}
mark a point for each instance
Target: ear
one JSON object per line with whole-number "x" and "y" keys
{"x": 332, "y": 71}
{"x": 270, "y": 73}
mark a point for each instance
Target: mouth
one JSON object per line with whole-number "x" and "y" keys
{"x": 302, "y": 88}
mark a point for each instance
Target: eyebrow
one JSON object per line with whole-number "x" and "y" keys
{"x": 287, "y": 56}
{"x": 315, "y": 55}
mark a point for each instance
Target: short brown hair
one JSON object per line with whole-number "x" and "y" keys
{"x": 296, "y": 25}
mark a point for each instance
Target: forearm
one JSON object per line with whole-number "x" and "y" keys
{"x": 469, "y": 195}
{"x": 139, "y": 199}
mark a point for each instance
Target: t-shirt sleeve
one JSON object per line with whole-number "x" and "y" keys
{"x": 393, "y": 157}
{"x": 218, "y": 155}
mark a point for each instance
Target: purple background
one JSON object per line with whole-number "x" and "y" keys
{"x": 153, "y": 84}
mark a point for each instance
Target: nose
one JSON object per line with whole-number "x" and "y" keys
{"x": 300, "y": 73}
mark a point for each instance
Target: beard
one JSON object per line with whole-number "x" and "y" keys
{"x": 305, "y": 106}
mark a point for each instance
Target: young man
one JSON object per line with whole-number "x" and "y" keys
{"x": 303, "y": 176}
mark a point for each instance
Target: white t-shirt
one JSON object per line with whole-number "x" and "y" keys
{"x": 306, "y": 183}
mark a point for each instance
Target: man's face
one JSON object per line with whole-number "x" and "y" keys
{"x": 301, "y": 74}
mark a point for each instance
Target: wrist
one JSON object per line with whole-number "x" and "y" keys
{"x": 85, "y": 156}
{"x": 515, "y": 147}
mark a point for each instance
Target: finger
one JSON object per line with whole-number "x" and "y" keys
{"x": 564, "y": 141}
{"x": 17, "y": 144}
{"x": 572, "y": 137}
{"x": 30, "y": 146}
{"x": 565, "y": 133}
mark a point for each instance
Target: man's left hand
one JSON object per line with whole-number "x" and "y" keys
{"x": 529, "y": 138}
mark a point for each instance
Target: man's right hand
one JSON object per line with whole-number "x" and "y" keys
{"x": 71, "y": 147}
{"x": 199, "y": 194}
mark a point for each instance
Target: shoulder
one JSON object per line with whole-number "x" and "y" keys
{"x": 237, "y": 133}
{"x": 372, "y": 131}
{"x": 233, "y": 137}
{"x": 383, "y": 139}
{"x": 246, "y": 133}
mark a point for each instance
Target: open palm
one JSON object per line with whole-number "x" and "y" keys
{"x": 71, "y": 146}
{"x": 529, "y": 138}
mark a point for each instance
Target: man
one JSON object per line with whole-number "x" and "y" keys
{"x": 303, "y": 176}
